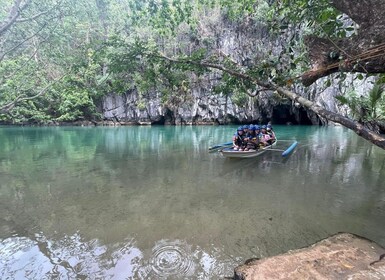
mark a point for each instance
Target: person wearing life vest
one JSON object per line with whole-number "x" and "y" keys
{"x": 249, "y": 132}
{"x": 253, "y": 139}
{"x": 265, "y": 137}
{"x": 245, "y": 130}
{"x": 238, "y": 140}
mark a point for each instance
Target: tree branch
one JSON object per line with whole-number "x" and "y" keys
{"x": 22, "y": 42}
{"x": 8, "y": 107}
{"x": 363, "y": 12}
{"x": 358, "y": 128}
{"x": 32, "y": 17}
{"x": 363, "y": 52}
{"x": 13, "y": 14}
{"x": 235, "y": 73}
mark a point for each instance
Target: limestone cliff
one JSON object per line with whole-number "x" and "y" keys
{"x": 202, "y": 106}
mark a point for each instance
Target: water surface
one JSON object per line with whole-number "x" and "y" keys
{"x": 152, "y": 203}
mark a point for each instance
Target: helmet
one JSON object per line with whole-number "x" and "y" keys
{"x": 257, "y": 127}
{"x": 245, "y": 126}
{"x": 240, "y": 128}
{"x": 269, "y": 126}
{"x": 253, "y": 127}
{"x": 263, "y": 126}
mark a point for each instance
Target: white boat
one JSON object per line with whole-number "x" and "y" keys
{"x": 231, "y": 153}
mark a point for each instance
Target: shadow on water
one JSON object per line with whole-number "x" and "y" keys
{"x": 152, "y": 203}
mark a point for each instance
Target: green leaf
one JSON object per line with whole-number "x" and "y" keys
{"x": 360, "y": 76}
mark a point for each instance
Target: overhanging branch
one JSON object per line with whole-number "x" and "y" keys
{"x": 358, "y": 128}
{"x": 235, "y": 73}
{"x": 362, "y": 52}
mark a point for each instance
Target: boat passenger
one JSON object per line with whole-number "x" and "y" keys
{"x": 253, "y": 140}
{"x": 249, "y": 133}
{"x": 258, "y": 131}
{"x": 238, "y": 139}
{"x": 265, "y": 138}
{"x": 270, "y": 131}
{"x": 245, "y": 130}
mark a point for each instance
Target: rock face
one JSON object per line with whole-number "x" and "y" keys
{"x": 342, "y": 256}
{"x": 242, "y": 42}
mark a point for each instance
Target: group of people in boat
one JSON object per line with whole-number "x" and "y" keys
{"x": 253, "y": 137}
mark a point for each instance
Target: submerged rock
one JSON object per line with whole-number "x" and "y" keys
{"x": 341, "y": 256}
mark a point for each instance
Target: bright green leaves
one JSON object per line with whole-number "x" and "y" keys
{"x": 366, "y": 108}
{"x": 376, "y": 102}
{"x": 75, "y": 104}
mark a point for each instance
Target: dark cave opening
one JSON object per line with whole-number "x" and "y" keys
{"x": 284, "y": 115}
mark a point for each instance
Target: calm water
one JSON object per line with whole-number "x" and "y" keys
{"x": 152, "y": 203}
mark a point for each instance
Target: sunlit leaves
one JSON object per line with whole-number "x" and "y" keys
{"x": 366, "y": 107}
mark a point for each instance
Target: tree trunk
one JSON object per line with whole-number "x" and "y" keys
{"x": 363, "y": 52}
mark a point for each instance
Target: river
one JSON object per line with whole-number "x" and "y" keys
{"x": 152, "y": 203}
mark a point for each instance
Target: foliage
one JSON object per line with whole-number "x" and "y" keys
{"x": 50, "y": 40}
{"x": 366, "y": 108}
{"x": 316, "y": 17}
{"x": 75, "y": 105}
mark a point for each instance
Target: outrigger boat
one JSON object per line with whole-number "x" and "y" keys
{"x": 231, "y": 153}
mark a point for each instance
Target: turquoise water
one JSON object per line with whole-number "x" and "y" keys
{"x": 152, "y": 203}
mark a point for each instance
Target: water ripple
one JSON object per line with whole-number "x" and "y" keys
{"x": 170, "y": 258}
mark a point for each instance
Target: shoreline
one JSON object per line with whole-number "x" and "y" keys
{"x": 129, "y": 123}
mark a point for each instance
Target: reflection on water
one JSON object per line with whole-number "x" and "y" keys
{"x": 74, "y": 258}
{"x": 152, "y": 203}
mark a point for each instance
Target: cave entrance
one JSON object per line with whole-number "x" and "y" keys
{"x": 284, "y": 115}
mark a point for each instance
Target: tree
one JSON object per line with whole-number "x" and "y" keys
{"x": 23, "y": 32}
{"x": 46, "y": 59}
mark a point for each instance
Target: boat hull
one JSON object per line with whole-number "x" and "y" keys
{"x": 231, "y": 153}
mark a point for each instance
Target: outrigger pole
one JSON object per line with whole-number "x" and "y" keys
{"x": 216, "y": 147}
{"x": 290, "y": 149}
{"x": 287, "y": 151}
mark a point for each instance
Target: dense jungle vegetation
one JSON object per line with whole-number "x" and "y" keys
{"x": 58, "y": 58}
